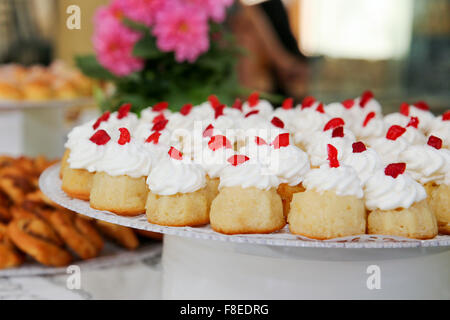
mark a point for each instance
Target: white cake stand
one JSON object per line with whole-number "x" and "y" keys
{"x": 34, "y": 128}
{"x": 199, "y": 263}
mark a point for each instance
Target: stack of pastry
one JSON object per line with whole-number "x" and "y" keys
{"x": 32, "y": 225}
{"x": 39, "y": 83}
{"x": 241, "y": 164}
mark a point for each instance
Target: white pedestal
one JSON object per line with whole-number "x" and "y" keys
{"x": 198, "y": 269}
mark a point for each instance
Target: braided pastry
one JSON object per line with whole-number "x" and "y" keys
{"x": 122, "y": 235}
{"x": 39, "y": 240}
{"x": 79, "y": 234}
{"x": 9, "y": 257}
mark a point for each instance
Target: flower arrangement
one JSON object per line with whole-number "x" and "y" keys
{"x": 163, "y": 50}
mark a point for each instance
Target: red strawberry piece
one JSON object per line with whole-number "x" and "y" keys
{"x": 219, "y": 141}
{"x": 282, "y": 140}
{"x": 338, "y": 132}
{"x": 332, "y": 156}
{"x": 175, "y": 154}
{"x": 237, "y": 159}
{"x": 435, "y": 142}
{"x": 160, "y": 106}
{"x": 320, "y": 108}
{"x": 100, "y": 137}
{"x": 288, "y": 103}
{"x": 260, "y": 141}
{"x": 253, "y": 99}
{"x": 404, "y": 109}
{"x": 186, "y": 109}
{"x": 394, "y": 132}
{"x": 218, "y": 111}
{"x": 160, "y": 125}
{"x": 125, "y": 136}
{"x": 369, "y": 117}
{"x": 446, "y": 116}
{"x": 395, "y": 169}
{"x": 365, "y": 97}
{"x": 159, "y": 117}
{"x": 334, "y": 123}
{"x": 348, "y": 104}
{"x": 214, "y": 101}
{"x": 308, "y": 102}
{"x": 123, "y": 111}
{"x": 102, "y": 118}
{"x": 422, "y": 105}
{"x": 154, "y": 137}
{"x": 208, "y": 131}
{"x": 413, "y": 122}
{"x": 237, "y": 104}
{"x": 277, "y": 122}
{"x": 251, "y": 113}
{"x": 358, "y": 147}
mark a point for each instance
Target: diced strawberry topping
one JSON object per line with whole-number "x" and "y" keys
{"x": 123, "y": 111}
{"x": 332, "y": 156}
{"x": 219, "y": 141}
{"x": 208, "y": 131}
{"x": 160, "y": 125}
{"x": 218, "y": 111}
{"x": 413, "y": 122}
{"x": 125, "y": 136}
{"x": 308, "y": 102}
{"x": 395, "y": 169}
{"x": 365, "y": 97}
{"x": 251, "y": 113}
{"x": 186, "y": 109}
{"x": 175, "y": 154}
{"x": 101, "y": 137}
{"x": 358, "y": 147}
{"x": 253, "y": 99}
{"x": 394, "y": 132}
{"x": 237, "y": 104}
{"x": 446, "y": 116}
{"x": 435, "y": 142}
{"x": 237, "y": 159}
{"x": 369, "y": 117}
{"x": 282, "y": 140}
{"x": 277, "y": 122}
{"x": 334, "y": 123}
{"x": 338, "y": 132}
{"x": 214, "y": 101}
{"x": 260, "y": 141}
{"x": 320, "y": 108}
{"x": 159, "y": 117}
{"x": 404, "y": 109}
{"x": 288, "y": 103}
{"x": 160, "y": 106}
{"x": 154, "y": 137}
{"x": 422, "y": 105}
{"x": 348, "y": 104}
{"x": 102, "y": 118}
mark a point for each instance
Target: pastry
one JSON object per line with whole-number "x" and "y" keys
{"x": 119, "y": 182}
{"x": 79, "y": 234}
{"x": 177, "y": 192}
{"x": 397, "y": 205}
{"x": 124, "y": 236}
{"x": 248, "y": 201}
{"x": 9, "y": 256}
{"x": 429, "y": 164}
{"x": 332, "y": 205}
{"x": 39, "y": 240}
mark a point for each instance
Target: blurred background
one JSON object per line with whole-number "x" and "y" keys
{"x": 399, "y": 49}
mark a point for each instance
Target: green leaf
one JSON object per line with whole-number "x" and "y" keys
{"x": 146, "y": 48}
{"x": 91, "y": 68}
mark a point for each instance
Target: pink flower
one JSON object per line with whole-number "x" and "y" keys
{"x": 143, "y": 11}
{"x": 216, "y": 9}
{"x": 182, "y": 29}
{"x": 113, "y": 42}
